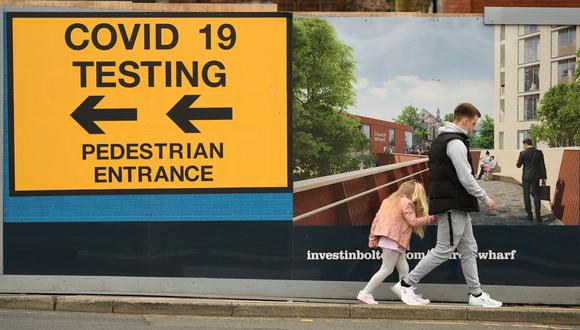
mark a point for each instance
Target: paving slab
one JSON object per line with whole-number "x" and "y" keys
{"x": 172, "y": 306}
{"x": 32, "y": 302}
{"x": 89, "y": 304}
{"x": 564, "y": 316}
{"x": 404, "y": 312}
{"x": 291, "y": 309}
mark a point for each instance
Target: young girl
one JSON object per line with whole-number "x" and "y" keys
{"x": 405, "y": 211}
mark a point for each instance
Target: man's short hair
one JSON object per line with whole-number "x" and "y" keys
{"x": 465, "y": 110}
{"x": 528, "y": 141}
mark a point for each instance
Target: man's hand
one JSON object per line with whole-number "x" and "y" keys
{"x": 491, "y": 204}
{"x": 543, "y": 182}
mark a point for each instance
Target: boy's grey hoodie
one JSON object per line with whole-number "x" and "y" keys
{"x": 457, "y": 152}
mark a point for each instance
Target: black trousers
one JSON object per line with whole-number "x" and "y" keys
{"x": 480, "y": 171}
{"x": 532, "y": 187}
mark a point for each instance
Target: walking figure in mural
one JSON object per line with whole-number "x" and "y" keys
{"x": 453, "y": 194}
{"x": 534, "y": 170}
{"x": 405, "y": 211}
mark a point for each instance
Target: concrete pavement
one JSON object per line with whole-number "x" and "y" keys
{"x": 247, "y": 308}
{"x": 49, "y": 320}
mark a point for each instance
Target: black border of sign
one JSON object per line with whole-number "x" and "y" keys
{"x": 146, "y": 191}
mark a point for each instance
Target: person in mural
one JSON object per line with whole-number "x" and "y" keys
{"x": 534, "y": 170}
{"x": 484, "y": 161}
{"x": 453, "y": 194}
{"x": 403, "y": 212}
{"x": 489, "y": 168}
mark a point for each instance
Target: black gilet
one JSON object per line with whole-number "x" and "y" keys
{"x": 445, "y": 189}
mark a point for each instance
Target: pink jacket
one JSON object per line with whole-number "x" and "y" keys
{"x": 397, "y": 223}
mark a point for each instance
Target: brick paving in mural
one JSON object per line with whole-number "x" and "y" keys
{"x": 510, "y": 206}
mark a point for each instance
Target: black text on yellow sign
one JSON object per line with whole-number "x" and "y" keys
{"x": 154, "y": 103}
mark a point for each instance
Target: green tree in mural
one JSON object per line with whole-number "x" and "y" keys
{"x": 410, "y": 116}
{"x": 577, "y": 71}
{"x": 559, "y": 114}
{"x": 326, "y": 140}
{"x": 448, "y": 117}
{"x": 484, "y": 138}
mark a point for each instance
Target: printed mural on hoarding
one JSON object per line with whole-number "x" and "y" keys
{"x": 415, "y": 71}
{"x": 365, "y": 96}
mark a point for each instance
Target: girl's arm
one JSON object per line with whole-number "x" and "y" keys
{"x": 411, "y": 217}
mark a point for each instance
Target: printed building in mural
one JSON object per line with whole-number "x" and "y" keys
{"x": 431, "y": 123}
{"x": 386, "y": 136}
{"x": 528, "y": 60}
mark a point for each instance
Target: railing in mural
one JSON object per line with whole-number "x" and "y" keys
{"x": 385, "y": 159}
{"x": 352, "y": 199}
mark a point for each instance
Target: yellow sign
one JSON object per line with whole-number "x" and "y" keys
{"x": 117, "y": 102}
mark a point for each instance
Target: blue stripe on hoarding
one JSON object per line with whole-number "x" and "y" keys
{"x": 123, "y": 208}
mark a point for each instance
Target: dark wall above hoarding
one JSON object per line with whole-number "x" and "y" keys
{"x": 477, "y": 6}
{"x": 425, "y": 6}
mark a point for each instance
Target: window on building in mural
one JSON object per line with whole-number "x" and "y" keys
{"x": 408, "y": 140}
{"x": 366, "y": 130}
{"x": 566, "y": 70}
{"x": 567, "y": 37}
{"x": 523, "y": 134}
{"x": 502, "y": 56}
{"x": 567, "y": 41}
{"x": 530, "y": 107}
{"x": 502, "y": 83}
{"x": 531, "y": 49}
{"x": 532, "y": 78}
{"x": 500, "y": 140}
{"x": 530, "y": 29}
{"x": 392, "y": 137}
{"x": 501, "y": 111}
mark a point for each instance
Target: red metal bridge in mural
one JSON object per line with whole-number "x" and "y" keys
{"x": 353, "y": 198}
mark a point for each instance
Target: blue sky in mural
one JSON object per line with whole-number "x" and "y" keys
{"x": 426, "y": 62}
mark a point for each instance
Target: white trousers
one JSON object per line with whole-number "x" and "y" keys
{"x": 391, "y": 258}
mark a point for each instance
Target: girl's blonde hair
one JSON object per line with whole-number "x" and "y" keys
{"x": 414, "y": 191}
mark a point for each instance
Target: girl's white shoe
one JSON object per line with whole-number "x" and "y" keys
{"x": 367, "y": 298}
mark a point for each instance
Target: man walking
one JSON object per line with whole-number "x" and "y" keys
{"x": 534, "y": 170}
{"x": 453, "y": 193}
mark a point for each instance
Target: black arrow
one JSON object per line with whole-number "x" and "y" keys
{"x": 86, "y": 114}
{"x": 181, "y": 113}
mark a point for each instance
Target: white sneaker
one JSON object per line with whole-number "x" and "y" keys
{"x": 397, "y": 289}
{"x": 423, "y": 301}
{"x": 367, "y": 298}
{"x": 483, "y": 301}
{"x": 409, "y": 297}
